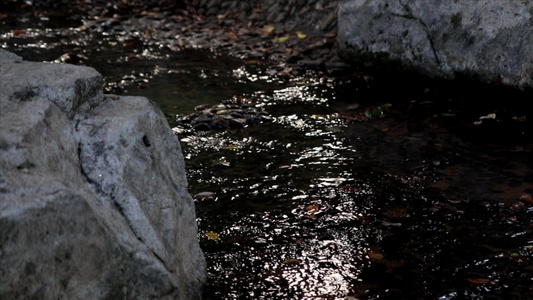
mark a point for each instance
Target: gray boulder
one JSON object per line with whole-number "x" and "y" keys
{"x": 487, "y": 40}
{"x": 93, "y": 194}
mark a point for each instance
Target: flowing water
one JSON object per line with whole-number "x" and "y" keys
{"x": 357, "y": 185}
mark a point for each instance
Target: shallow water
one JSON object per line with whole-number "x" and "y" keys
{"x": 372, "y": 187}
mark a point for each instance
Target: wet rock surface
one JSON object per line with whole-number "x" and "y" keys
{"x": 94, "y": 196}
{"x": 488, "y": 41}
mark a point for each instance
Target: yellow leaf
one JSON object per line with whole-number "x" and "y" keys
{"x": 283, "y": 39}
{"x": 301, "y": 35}
{"x": 268, "y": 29}
{"x": 212, "y": 235}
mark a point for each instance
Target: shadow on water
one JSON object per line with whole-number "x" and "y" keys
{"x": 382, "y": 186}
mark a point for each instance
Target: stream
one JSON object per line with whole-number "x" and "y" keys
{"x": 356, "y": 184}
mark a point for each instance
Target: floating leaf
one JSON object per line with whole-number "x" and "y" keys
{"x": 301, "y": 35}
{"x": 212, "y": 235}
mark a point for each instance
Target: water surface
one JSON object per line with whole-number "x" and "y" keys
{"x": 363, "y": 185}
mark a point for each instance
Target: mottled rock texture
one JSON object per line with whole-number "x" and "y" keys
{"x": 93, "y": 194}
{"x": 488, "y": 40}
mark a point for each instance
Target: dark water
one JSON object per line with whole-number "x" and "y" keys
{"x": 362, "y": 186}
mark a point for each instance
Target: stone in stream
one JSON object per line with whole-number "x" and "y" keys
{"x": 486, "y": 40}
{"x": 93, "y": 194}
{"x": 224, "y": 116}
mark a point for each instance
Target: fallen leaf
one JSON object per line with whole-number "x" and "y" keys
{"x": 283, "y": 39}
{"x": 489, "y": 116}
{"x": 301, "y": 35}
{"x": 479, "y": 280}
{"x": 375, "y": 257}
{"x": 374, "y": 112}
{"x": 268, "y": 29}
{"x": 527, "y": 198}
{"x": 313, "y": 208}
{"x": 146, "y": 13}
{"x": 330, "y": 35}
{"x": 292, "y": 261}
{"x": 212, "y": 235}
{"x": 447, "y": 115}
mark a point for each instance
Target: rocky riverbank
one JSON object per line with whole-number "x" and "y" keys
{"x": 488, "y": 41}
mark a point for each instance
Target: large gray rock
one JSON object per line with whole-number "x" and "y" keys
{"x": 93, "y": 194}
{"x": 486, "y": 39}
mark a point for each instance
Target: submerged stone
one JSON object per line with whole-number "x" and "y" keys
{"x": 224, "y": 116}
